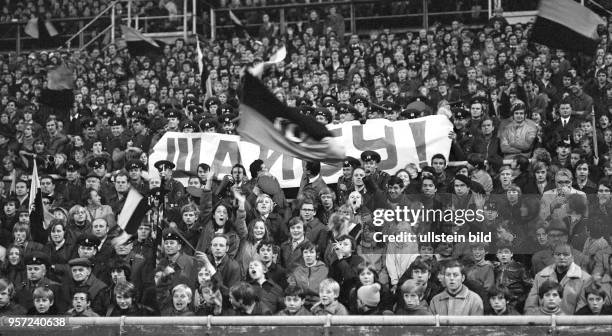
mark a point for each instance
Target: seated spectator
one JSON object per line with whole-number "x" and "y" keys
{"x": 595, "y": 298}
{"x": 182, "y": 297}
{"x": 550, "y": 295}
{"x": 81, "y": 305}
{"x": 329, "y": 291}
{"x": 563, "y": 271}
{"x": 7, "y": 306}
{"x": 457, "y": 299}
{"x": 244, "y": 301}
{"x": 413, "y": 300}
{"x": 499, "y": 298}
{"x": 294, "y": 302}
{"x": 43, "y": 302}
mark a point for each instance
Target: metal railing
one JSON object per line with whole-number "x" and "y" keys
{"x": 354, "y": 20}
{"x": 351, "y": 320}
{"x": 81, "y": 32}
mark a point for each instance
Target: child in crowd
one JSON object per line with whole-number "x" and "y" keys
{"x": 499, "y": 298}
{"x": 43, "y": 302}
{"x": 7, "y": 306}
{"x": 182, "y": 296}
{"x": 207, "y": 298}
{"x": 513, "y": 276}
{"x": 329, "y": 290}
{"x": 595, "y": 297}
{"x": 481, "y": 271}
{"x": 551, "y": 295}
{"x": 294, "y": 302}
{"x": 81, "y": 304}
{"x": 412, "y": 302}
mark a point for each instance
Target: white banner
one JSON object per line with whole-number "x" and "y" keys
{"x": 398, "y": 143}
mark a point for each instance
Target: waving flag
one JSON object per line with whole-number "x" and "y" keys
{"x": 37, "y": 212}
{"x": 270, "y": 123}
{"x": 565, "y": 24}
{"x": 138, "y": 44}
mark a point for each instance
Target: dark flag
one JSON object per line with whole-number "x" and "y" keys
{"x": 37, "y": 212}
{"x": 266, "y": 121}
{"x": 59, "y": 93}
{"x": 138, "y": 44}
{"x": 204, "y": 73}
{"x": 239, "y": 26}
{"x": 567, "y": 25}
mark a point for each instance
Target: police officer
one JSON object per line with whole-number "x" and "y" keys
{"x": 174, "y": 188}
{"x": 176, "y": 263}
{"x": 73, "y": 188}
{"x": 117, "y": 143}
{"x": 90, "y": 133}
{"x": 134, "y": 168}
{"x": 37, "y": 267}
{"x": 98, "y": 165}
{"x": 345, "y": 181}
{"x": 209, "y": 125}
{"x": 370, "y": 160}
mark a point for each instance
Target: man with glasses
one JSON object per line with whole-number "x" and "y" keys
{"x": 557, "y": 233}
{"x": 572, "y": 278}
{"x": 554, "y": 202}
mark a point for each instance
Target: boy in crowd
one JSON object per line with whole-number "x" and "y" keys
{"x": 513, "y": 276}
{"x": 43, "y": 302}
{"x": 551, "y": 295}
{"x": 81, "y": 304}
{"x": 329, "y": 290}
{"x": 499, "y": 299}
{"x": 294, "y": 302}
{"x": 412, "y": 302}
{"x": 595, "y": 298}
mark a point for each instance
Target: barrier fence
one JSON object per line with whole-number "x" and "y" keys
{"x": 322, "y": 325}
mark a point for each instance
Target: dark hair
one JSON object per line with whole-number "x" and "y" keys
{"x": 230, "y": 217}
{"x": 314, "y": 167}
{"x": 393, "y": 180}
{"x": 251, "y": 234}
{"x": 421, "y": 265}
{"x": 265, "y": 242}
{"x": 307, "y": 245}
{"x": 244, "y": 293}
{"x": 549, "y": 285}
{"x": 438, "y": 156}
{"x": 453, "y": 263}
{"x": 294, "y": 290}
{"x": 595, "y": 289}
{"x": 499, "y": 290}
{"x": 204, "y": 166}
{"x": 255, "y": 167}
{"x": 344, "y": 237}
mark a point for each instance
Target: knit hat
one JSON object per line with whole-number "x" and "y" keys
{"x": 464, "y": 179}
{"x": 369, "y": 295}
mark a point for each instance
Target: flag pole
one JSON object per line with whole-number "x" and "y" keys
{"x": 595, "y": 146}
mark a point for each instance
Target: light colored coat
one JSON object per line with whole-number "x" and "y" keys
{"x": 573, "y": 284}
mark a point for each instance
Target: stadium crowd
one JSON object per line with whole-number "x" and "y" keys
{"x": 236, "y": 245}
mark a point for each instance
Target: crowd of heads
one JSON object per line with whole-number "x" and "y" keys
{"x": 533, "y": 164}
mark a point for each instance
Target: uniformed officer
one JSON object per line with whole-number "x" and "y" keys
{"x": 117, "y": 143}
{"x": 209, "y": 125}
{"x": 189, "y": 126}
{"x": 181, "y": 265}
{"x": 134, "y": 168}
{"x": 323, "y": 116}
{"x": 370, "y": 160}
{"x": 37, "y": 266}
{"x": 73, "y": 188}
{"x": 229, "y": 126}
{"x": 98, "y": 165}
{"x": 345, "y": 181}
{"x": 212, "y": 105}
{"x": 173, "y": 187}
{"x": 90, "y": 133}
